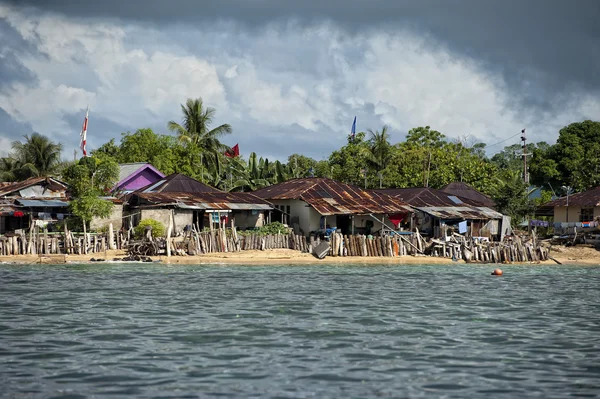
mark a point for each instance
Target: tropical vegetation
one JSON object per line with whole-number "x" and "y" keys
{"x": 426, "y": 158}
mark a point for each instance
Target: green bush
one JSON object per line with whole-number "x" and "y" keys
{"x": 271, "y": 228}
{"x": 158, "y": 229}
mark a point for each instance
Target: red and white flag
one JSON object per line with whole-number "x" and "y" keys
{"x": 84, "y": 133}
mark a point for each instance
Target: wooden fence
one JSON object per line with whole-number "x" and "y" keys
{"x": 513, "y": 249}
{"x": 59, "y": 243}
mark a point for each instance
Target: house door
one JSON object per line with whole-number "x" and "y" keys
{"x": 198, "y": 220}
{"x": 343, "y": 224}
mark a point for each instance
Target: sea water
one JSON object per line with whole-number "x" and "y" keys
{"x": 326, "y": 331}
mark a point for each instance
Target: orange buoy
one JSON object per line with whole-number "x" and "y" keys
{"x": 497, "y": 272}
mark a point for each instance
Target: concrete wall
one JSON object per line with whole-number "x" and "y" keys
{"x": 300, "y": 210}
{"x": 248, "y": 219}
{"x": 116, "y": 218}
{"x": 560, "y": 214}
{"x": 182, "y": 217}
{"x": 310, "y": 219}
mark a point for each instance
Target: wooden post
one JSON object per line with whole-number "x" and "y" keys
{"x": 84, "y": 238}
{"x": 30, "y": 243}
{"x": 111, "y": 236}
{"x": 169, "y": 234}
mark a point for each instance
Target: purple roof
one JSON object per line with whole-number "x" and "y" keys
{"x": 133, "y": 176}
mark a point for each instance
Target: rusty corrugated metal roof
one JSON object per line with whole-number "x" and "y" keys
{"x": 590, "y": 198}
{"x": 203, "y": 201}
{"x": 463, "y": 190}
{"x": 49, "y": 182}
{"x": 462, "y": 212}
{"x": 427, "y": 196}
{"x": 177, "y": 183}
{"x": 443, "y": 205}
{"x": 330, "y": 197}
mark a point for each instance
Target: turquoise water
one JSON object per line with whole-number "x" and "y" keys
{"x": 149, "y": 330}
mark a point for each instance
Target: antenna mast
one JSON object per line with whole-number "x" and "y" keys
{"x": 525, "y": 155}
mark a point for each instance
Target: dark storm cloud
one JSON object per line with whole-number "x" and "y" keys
{"x": 546, "y": 52}
{"x": 11, "y": 46}
{"x": 100, "y": 130}
{"x": 11, "y": 129}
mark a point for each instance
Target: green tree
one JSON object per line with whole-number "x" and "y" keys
{"x": 379, "y": 150}
{"x": 9, "y": 169}
{"x": 509, "y": 158}
{"x": 349, "y": 164}
{"x": 37, "y": 156}
{"x": 573, "y": 161}
{"x": 300, "y": 166}
{"x": 256, "y": 174}
{"x": 195, "y": 130}
{"x": 425, "y": 137}
{"x": 110, "y": 148}
{"x": 89, "y": 179}
{"x": 512, "y": 195}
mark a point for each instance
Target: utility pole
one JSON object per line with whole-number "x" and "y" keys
{"x": 525, "y": 155}
{"x": 74, "y": 155}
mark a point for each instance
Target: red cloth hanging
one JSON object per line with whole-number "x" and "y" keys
{"x": 18, "y": 214}
{"x": 397, "y": 218}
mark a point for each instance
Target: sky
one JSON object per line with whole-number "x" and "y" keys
{"x": 290, "y": 76}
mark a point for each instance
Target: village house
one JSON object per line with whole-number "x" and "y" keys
{"x": 463, "y": 190}
{"x": 316, "y": 204}
{"x": 38, "y": 200}
{"x": 133, "y": 176}
{"x": 189, "y": 202}
{"x": 581, "y": 210}
{"x": 438, "y": 211}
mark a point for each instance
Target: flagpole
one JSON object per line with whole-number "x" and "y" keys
{"x": 83, "y": 134}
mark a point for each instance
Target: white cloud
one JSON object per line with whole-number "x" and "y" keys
{"x": 5, "y": 145}
{"x": 133, "y": 85}
{"x": 285, "y": 75}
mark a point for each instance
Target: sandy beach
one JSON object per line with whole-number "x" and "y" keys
{"x": 579, "y": 255}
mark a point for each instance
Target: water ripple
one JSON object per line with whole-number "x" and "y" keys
{"x": 88, "y": 331}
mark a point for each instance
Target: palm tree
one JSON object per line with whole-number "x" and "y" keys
{"x": 37, "y": 156}
{"x": 379, "y": 150}
{"x": 9, "y": 168}
{"x": 195, "y": 130}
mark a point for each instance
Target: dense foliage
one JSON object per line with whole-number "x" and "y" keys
{"x": 89, "y": 179}
{"x": 426, "y": 158}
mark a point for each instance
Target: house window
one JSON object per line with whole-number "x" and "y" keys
{"x": 287, "y": 209}
{"x": 586, "y": 215}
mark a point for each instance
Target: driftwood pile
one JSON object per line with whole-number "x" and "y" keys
{"x": 511, "y": 249}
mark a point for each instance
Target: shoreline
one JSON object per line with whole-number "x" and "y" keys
{"x": 287, "y": 256}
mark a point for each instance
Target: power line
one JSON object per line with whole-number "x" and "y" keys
{"x": 500, "y": 142}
